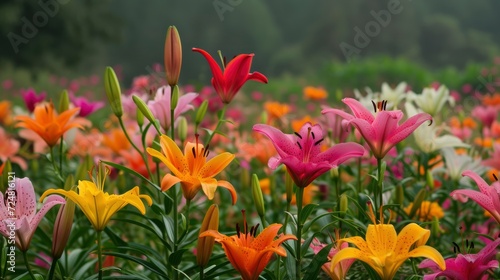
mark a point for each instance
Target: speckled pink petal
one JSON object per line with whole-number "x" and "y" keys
{"x": 26, "y": 201}
{"x": 284, "y": 146}
{"x": 359, "y": 110}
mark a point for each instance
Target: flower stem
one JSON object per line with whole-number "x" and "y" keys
{"x": 54, "y": 165}
{"x": 28, "y": 267}
{"x": 202, "y": 273}
{"x": 99, "y": 254}
{"x": 379, "y": 184}
{"x": 221, "y": 118}
{"x": 298, "y": 257}
{"x": 52, "y": 268}
{"x": 176, "y": 226}
{"x": 144, "y": 158}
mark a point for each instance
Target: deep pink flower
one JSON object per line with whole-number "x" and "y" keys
{"x": 465, "y": 267}
{"x": 381, "y": 131}
{"x": 31, "y": 98}
{"x": 160, "y": 107}
{"x": 236, "y": 73}
{"x": 488, "y": 198}
{"x": 26, "y": 219}
{"x": 86, "y": 107}
{"x": 301, "y": 153}
{"x": 486, "y": 114}
{"x": 342, "y": 268}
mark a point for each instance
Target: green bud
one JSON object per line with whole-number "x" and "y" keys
{"x": 140, "y": 118}
{"x": 400, "y": 195}
{"x": 141, "y": 105}
{"x": 344, "y": 203}
{"x": 7, "y": 168}
{"x": 175, "y": 97}
{"x": 334, "y": 172}
{"x": 417, "y": 202}
{"x": 257, "y": 196}
{"x": 83, "y": 168}
{"x": 63, "y": 101}
{"x": 70, "y": 182}
{"x": 182, "y": 127}
{"x": 113, "y": 91}
{"x": 288, "y": 187}
{"x": 264, "y": 117}
{"x": 430, "y": 180}
{"x": 435, "y": 229}
{"x": 200, "y": 114}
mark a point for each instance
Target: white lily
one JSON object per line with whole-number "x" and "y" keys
{"x": 393, "y": 95}
{"x": 428, "y": 137}
{"x": 431, "y": 100}
{"x": 456, "y": 164}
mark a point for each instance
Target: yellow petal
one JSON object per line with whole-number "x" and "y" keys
{"x": 353, "y": 253}
{"x": 430, "y": 253}
{"x": 209, "y": 185}
{"x": 410, "y": 234}
{"x": 216, "y": 165}
{"x": 381, "y": 240}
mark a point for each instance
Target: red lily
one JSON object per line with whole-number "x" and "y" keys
{"x": 236, "y": 73}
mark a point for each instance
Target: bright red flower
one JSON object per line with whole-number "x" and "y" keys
{"x": 236, "y": 73}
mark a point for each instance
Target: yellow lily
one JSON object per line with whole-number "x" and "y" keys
{"x": 385, "y": 250}
{"x": 191, "y": 169}
{"x": 99, "y": 206}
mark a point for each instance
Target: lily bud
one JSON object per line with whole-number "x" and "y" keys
{"x": 141, "y": 105}
{"x": 175, "y": 97}
{"x": 182, "y": 127}
{"x": 200, "y": 114}
{"x": 400, "y": 195}
{"x": 206, "y": 244}
{"x": 344, "y": 203}
{"x": 435, "y": 229}
{"x": 113, "y": 91}
{"x": 173, "y": 56}
{"x": 139, "y": 117}
{"x": 63, "y": 101}
{"x": 430, "y": 180}
{"x": 82, "y": 171}
{"x": 63, "y": 223}
{"x": 418, "y": 202}
{"x": 258, "y": 199}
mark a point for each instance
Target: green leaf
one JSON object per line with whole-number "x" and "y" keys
{"x": 130, "y": 171}
{"x": 114, "y": 238}
{"x": 176, "y": 257}
{"x": 318, "y": 260}
{"x": 290, "y": 260}
{"x": 306, "y": 211}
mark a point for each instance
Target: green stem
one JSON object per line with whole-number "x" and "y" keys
{"x": 176, "y": 226}
{"x": 28, "y": 267}
{"x": 54, "y": 165}
{"x": 144, "y": 158}
{"x": 202, "y": 273}
{"x": 99, "y": 254}
{"x": 298, "y": 258}
{"x": 359, "y": 175}
{"x": 221, "y": 118}
{"x": 379, "y": 184}
{"x": 52, "y": 269}
{"x": 61, "y": 156}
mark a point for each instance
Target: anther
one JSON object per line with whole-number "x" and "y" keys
{"x": 374, "y": 106}
{"x": 238, "y": 230}
{"x": 299, "y": 145}
{"x": 495, "y": 176}
{"x": 430, "y": 122}
{"x": 255, "y": 230}
{"x": 319, "y": 141}
{"x": 298, "y": 135}
{"x": 455, "y": 246}
{"x": 312, "y": 133}
{"x": 194, "y": 152}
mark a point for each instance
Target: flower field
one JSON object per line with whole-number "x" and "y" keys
{"x": 162, "y": 180}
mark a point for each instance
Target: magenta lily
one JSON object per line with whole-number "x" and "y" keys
{"x": 468, "y": 266}
{"x": 382, "y": 131}
{"x": 31, "y": 98}
{"x": 488, "y": 198}
{"x": 86, "y": 106}
{"x": 301, "y": 153}
{"x": 26, "y": 221}
{"x": 160, "y": 107}
{"x": 236, "y": 73}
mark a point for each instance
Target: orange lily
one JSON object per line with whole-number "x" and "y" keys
{"x": 248, "y": 252}
{"x": 48, "y": 124}
{"x": 191, "y": 169}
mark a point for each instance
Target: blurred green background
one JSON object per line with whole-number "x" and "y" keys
{"x": 424, "y": 41}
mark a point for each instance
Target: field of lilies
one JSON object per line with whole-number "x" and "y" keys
{"x": 169, "y": 181}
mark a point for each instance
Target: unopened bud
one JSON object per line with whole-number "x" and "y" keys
{"x": 139, "y": 117}
{"x": 84, "y": 167}
{"x": 175, "y": 97}
{"x": 141, "y": 105}
{"x": 63, "y": 101}
{"x": 63, "y": 223}
{"x": 334, "y": 172}
{"x": 400, "y": 195}
{"x": 344, "y": 203}
{"x": 200, "y": 114}
{"x": 430, "y": 180}
{"x": 418, "y": 202}
{"x": 173, "y": 55}
{"x": 435, "y": 229}
{"x": 257, "y": 196}
{"x": 182, "y": 127}
{"x": 206, "y": 244}
{"x": 264, "y": 117}
{"x": 113, "y": 91}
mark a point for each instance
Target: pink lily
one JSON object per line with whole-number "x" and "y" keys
{"x": 486, "y": 114}
{"x": 236, "y": 73}
{"x": 340, "y": 271}
{"x": 468, "y": 266}
{"x": 301, "y": 153}
{"x": 86, "y": 106}
{"x": 160, "y": 107}
{"x": 488, "y": 198}
{"x": 31, "y": 98}
{"x": 494, "y": 160}
{"x": 382, "y": 131}
{"x": 25, "y": 220}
